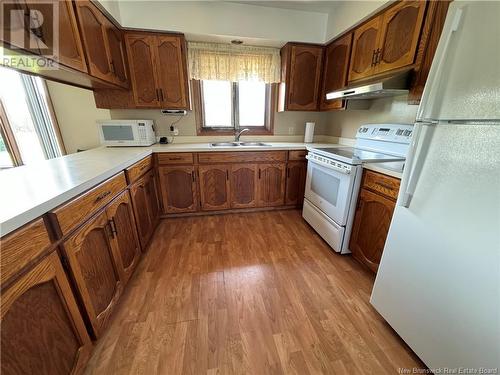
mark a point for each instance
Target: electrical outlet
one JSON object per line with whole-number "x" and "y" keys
{"x": 291, "y": 131}
{"x": 174, "y": 130}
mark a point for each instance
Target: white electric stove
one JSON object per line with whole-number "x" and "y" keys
{"x": 334, "y": 177}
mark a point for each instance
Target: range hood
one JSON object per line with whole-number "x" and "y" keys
{"x": 383, "y": 87}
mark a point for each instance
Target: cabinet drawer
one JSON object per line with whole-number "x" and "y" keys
{"x": 74, "y": 212}
{"x": 21, "y": 247}
{"x": 380, "y": 183}
{"x": 297, "y": 155}
{"x": 175, "y": 158}
{"x": 138, "y": 169}
{"x": 241, "y": 157}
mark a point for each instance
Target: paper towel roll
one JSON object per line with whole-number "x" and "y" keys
{"x": 309, "y": 135}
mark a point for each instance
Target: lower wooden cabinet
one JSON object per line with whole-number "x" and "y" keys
{"x": 214, "y": 187}
{"x": 244, "y": 182}
{"x": 271, "y": 188}
{"x": 376, "y": 203}
{"x": 295, "y": 182}
{"x": 123, "y": 234}
{"x": 146, "y": 206}
{"x": 42, "y": 330}
{"x": 178, "y": 189}
{"x": 95, "y": 267}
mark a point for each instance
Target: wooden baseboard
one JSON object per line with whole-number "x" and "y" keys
{"x": 232, "y": 211}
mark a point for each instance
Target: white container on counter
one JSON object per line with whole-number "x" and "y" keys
{"x": 309, "y": 133}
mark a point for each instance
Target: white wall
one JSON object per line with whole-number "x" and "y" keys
{"x": 383, "y": 110}
{"x": 225, "y": 19}
{"x": 76, "y": 114}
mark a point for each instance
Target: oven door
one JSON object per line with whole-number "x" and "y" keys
{"x": 330, "y": 189}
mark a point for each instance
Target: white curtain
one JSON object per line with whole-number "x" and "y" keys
{"x": 227, "y": 62}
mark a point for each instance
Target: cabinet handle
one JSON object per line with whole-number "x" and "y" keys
{"x": 161, "y": 94}
{"x": 178, "y": 158}
{"x": 157, "y": 94}
{"x": 385, "y": 186}
{"x": 192, "y": 175}
{"x": 359, "y": 205}
{"x": 259, "y": 173}
{"x": 101, "y": 196}
{"x": 288, "y": 172}
{"x": 112, "y": 66}
{"x": 373, "y": 58}
{"x": 378, "y": 57}
{"x": 112, "y": 224}
{"x": 109, "y": 230}
{"x": 227, "y": 174}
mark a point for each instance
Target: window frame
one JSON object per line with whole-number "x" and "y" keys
{"x": 267, "y": 129}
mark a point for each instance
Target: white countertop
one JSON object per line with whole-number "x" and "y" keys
{"x": 28, "y": 192}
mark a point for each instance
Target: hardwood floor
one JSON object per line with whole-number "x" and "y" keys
{"x": 254, "y": 293}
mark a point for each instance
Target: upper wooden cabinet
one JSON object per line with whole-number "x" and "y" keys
{"x": 158, "y": 70}
{"x": 38, "y": 315}
{"x": 388, "y": 41}
{"x": 335, "y": 71}
{"x": 301, "y": 67}
{"x": 103, "y": 44}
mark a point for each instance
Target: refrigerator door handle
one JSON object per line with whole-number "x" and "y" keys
{"x": 414, "y": 163}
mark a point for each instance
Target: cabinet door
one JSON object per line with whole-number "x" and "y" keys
{"x": 172, "y": 72}
{"x": 214, "y": 187}
{"x": 124, "y": 234}
{"x": 244, "y": 183}
{"x": 140, "y": 203}
{"x": 42, "y": 329}
{"x": 365, "y": 44}
{"x": 271, "y": 185}
{"x": 304, "y": 80}
{"x": 70, "y": 46}
{"x": 93, "y": 26}
{"x": 295, "y": 183}
{"x": 92, "y": 260}
{"x": 400, "y": 32}
{"x": 335, "y": 70}
{"x": 116, "y": 54}
{"x": 371, "y": 225}
{"x": 141, "y": 52}
{"x": 152, "y": 199}
{"x": 178, "y": 189}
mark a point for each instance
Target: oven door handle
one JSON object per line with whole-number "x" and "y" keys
{"x": 329, "y": 166}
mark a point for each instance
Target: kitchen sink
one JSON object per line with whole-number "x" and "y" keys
{"x": 239, "y": 144}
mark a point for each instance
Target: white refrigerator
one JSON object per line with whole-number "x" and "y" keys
{"x": 438, "y": 284}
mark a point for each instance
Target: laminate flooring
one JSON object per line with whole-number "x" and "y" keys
{"x": 249, "y": 293}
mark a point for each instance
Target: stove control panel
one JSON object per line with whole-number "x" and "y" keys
{"x": 400, "y": 133}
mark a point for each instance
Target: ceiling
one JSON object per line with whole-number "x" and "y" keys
{"x": 307, "y": 6}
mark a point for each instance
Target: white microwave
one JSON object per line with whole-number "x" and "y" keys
{"x": 127, "y": 132}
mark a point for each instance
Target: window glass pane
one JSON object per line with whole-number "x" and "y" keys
{"x": 217, "y": 103}
{"x": 5, "y": 159}
{"x": 14, "y": 99}
{"x": 252, "y": 103}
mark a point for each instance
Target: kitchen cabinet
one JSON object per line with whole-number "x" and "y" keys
{"x": 145, "y": 204}
{"x": 244, "y": 183}
{"x": 93, "y": 260}
{"x": 271, "y": 188}
{"x": 158, "y": 70}
{"x": 123, "y": 234}
{"x": 376, "y": 203}
{"x": 103, "y": 44}
{"x": 214, "y": 187}
{"x": 388, "y": 41}
{"x": 301, "y": 66}
{"x": 296, "y": 172}
{"x": 39, "y": 314}
{"x": 335, "y": 71}
{"x": 178, "y": 189}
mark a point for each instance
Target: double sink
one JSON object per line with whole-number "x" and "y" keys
{"x": 239, "y": 144}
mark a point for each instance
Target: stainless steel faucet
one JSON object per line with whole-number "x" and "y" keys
{"x": 237, "y": 135}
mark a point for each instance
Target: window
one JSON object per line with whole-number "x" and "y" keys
{"x": 223, "y": 107}
{"x": 28, "y": 131}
